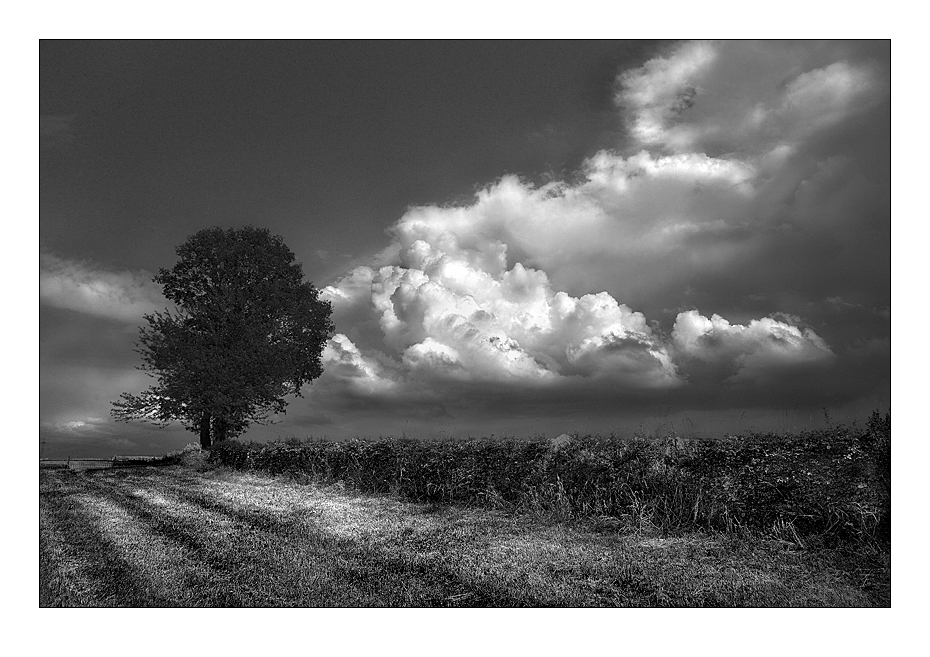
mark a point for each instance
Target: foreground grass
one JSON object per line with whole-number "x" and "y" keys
{"x": 176, "y": 537}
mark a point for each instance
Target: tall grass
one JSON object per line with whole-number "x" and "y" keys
{"x": 831, "y": 485}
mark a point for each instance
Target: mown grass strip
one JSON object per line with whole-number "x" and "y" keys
{"x": 365, "y": 575}
{"x": 211, "y": 551}
{"x": 94, "y": 571}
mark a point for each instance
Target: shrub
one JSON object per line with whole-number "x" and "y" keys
{"x": 834, "y": 482}
{"x": 192, "y": 456}
{"x": 229, "y": 453}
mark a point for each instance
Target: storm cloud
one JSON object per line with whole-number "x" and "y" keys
{"x": 708, "y": 260}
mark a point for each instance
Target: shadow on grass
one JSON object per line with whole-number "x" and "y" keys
{"x": 211, "y": 571}
{"x": 360, "y": 575}
{"x": 113, "y": 581}
{"x": 363, "y": 574}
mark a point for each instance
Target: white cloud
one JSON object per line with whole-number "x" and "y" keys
{"x": 453, "y": 306}
{"x": 744, "y": 96}
{"x": 452, "y": 318}
{"x": 608, "y": 231}
{"x": 89, "y": 288}
{"x": 752, "y": 351}
{"x": 663, "y": 88}
{"x": 538, "y": 285}
{"x": 343, "y": 360}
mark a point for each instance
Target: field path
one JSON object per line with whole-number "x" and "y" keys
{"x": 171, "y": 537}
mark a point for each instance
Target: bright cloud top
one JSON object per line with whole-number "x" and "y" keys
{"x": 538, "y": 285}
{"x": 453, "y": 312}
{"x": 88, "y": 288}
{"x": 753, "y": 352}
{"x": 451, "y": 309}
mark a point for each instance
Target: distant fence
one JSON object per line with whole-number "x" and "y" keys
{"x": 101, "y": 464}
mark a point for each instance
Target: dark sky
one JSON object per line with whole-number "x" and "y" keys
{"x": 518, "y": 237}
{"x": 335, "y": 138}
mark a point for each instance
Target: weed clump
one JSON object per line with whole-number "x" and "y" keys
{"x": 191, "y": 456}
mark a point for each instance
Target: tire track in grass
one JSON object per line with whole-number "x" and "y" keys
{"x": 273, "y": 544}
{"x": 265, "y": 535}
{"x": 319, "y": 561}
{"x": 96, "y": 569}
{"x": 333, "y": 530}
{"x": 151, "y": 561}
{"x": 80, "y": 558}
{"x": 160, "y": 560}
{"x": 209, "y": 566}
{"x": 255, "y": 518}
{"x": 322, "y": 551}
{"x": 57, "y": 563}
{"x": 426, "y": 569}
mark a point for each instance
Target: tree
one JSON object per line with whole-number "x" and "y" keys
{"x": 246, "y": 332}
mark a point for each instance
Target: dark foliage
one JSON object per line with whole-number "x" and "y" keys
{"x": 833, "y": 484}
{"x": 878, "y": 443}
{"x": 230, "y": 453}
{"x": 246, "y": 332}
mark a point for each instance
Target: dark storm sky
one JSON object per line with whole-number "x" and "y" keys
{"x": 518, "y": 237}
{"x": 334, "y": 139}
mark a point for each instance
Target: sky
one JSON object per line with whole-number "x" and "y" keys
{"x": 518, "y": 237}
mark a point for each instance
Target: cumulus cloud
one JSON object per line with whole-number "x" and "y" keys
{"x": 743, "y": 189}
{"x": 452, "y": 309}
{"x": 344, "y": 361}
{"x": 90, "y": 288}
{"x": 753, "y": 352}
{"x": 449, "y": 311}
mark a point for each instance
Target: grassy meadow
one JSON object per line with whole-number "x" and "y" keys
{"x": 757, "y": 521}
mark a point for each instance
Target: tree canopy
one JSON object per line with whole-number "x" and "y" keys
{"x": 246, "y": 331}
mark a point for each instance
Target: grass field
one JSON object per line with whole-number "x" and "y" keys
{"x": 178, "y": 537}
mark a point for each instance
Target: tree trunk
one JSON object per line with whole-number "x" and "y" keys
{"x": 205, "y": 442}
{"x": 220, "y": 429}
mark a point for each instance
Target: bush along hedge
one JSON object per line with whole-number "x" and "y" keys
{"x": 833, "y": 483}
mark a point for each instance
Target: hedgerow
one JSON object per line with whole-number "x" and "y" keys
{"x": 833, "y": 484}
